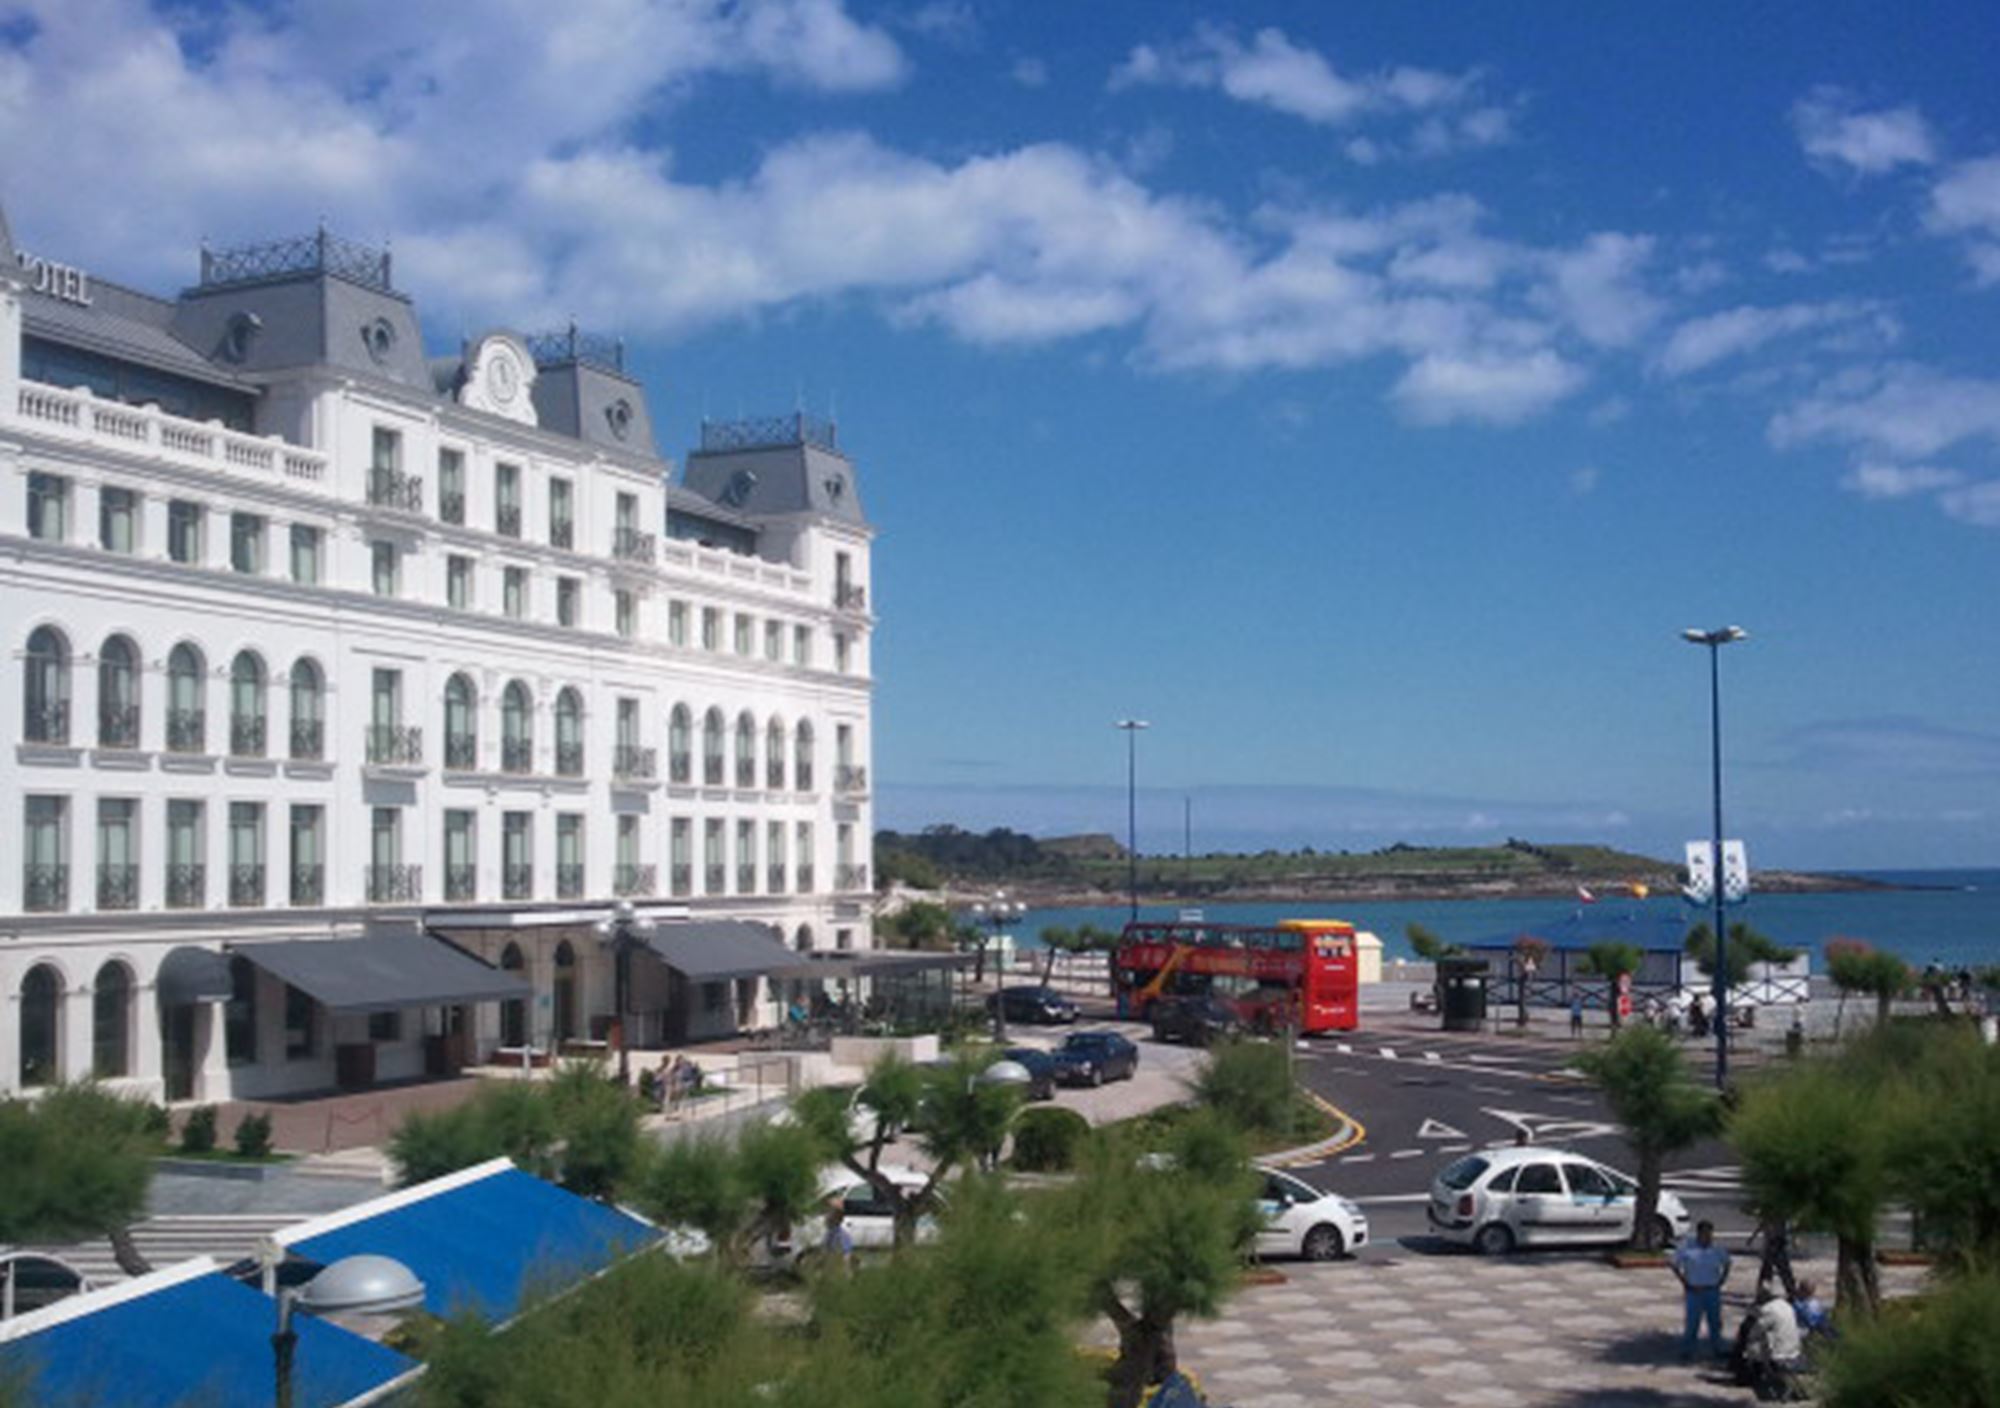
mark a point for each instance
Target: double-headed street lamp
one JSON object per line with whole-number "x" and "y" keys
{"x": 624, "y": 931}
{"x": 997, "y": 915}
{"x": 1132, "y": 727}
{"x": 1715, "y": 640}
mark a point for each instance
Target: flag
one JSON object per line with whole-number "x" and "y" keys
{"x": 1585, "y": 896}
{"x": 1640, "y": 889}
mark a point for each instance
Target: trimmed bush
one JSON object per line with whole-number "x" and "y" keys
{"x": 198, "y": 1133}
{"x": 1046, "y": 1140}
{"x": 253, "y": 1136}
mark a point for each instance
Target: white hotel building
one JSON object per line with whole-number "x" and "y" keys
{"x": 350, "y": 689}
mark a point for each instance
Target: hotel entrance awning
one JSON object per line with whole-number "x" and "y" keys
{"x": 383, "y": 974}
{"x": 710, "y": 950}
{"x": 869, "y": 963}
{"x": 192, "y": 974}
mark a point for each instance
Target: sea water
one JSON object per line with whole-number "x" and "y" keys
{"x": 1948, "y": 916}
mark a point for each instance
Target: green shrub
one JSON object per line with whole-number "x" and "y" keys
{"x": 1046, "y": 1140}
{"x": 1936, "y": 1351}
{"x": 253, "y": 1136}
{"x": 156, "y": 1123}
{"x": 1249, "y": 1083}
{"x": 198, "y": 1132}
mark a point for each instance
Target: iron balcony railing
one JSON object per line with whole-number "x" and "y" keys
{"x": 683, "y": 875}
{"x": 461, "y": 751}
{"x": 635, "y": 764}
{"x": 746, "y": 772}
{"x": 451, "y": 507}
{"x": 716, "y": 880}
{"x": 746, "y": 879}
{"x": 759, "y": 432}
{"x": 573, "y": 344}
{"x": 713, "y": 770}
{"x": 187, "y": 886}
{"x": 680, "y": 767}
{"x": 848, "y": 878}
{"x": 804, "y": 879}
{"x": 395, "y": 745}
{"x": 47, "y": 722}
{"x": 395, "y": 884}
{"x": 517, "y": 882}
{"x": 308, "y": 740}
{"x": 320, "y": 252}
{"x": 774, "y": 879}
{"x": 187, "y": 731}
{"x": 246, "y": 886}
{"x": 118, "y": 727}
{"x": 849, "y": 597}
{"x": 507, "y": 520}
{"x": 629, "y": 881}
{"x": 389, "y": 488}
{"x": 774, "y": 775}
{"x": 117, "y": 887}
{"x": 569, "y": 882}
{"x": 308, "y": 884}
{"x": 802, "y": 777}
{"x": 633, "y": 545}
{"x": 569, "y": 760}
{"x": 44, "y": 888}
{"x": 246, "y": 737}
{"x": 461, "y": 882}
{"x": 562, "y": 534}
{"x": 517, "y": 755}
{"x": 850, "y": 778}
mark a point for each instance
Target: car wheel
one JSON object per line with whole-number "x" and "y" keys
{"x": 1095, "y": 1078}
{"x": 1494, "y": 1239}
{"x": 1663, "y": 1232}
{"x": 1323, "y": 1243}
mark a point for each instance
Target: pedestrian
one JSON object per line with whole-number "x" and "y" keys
{"x": 672, "y": 1077}
{"x": 1773, "y": 1355}
{"x": 1814, "y": 1318}
{"x": 838, "y": 1243}
{"x": 1576, "y": 1015}
{"x": 1795, "y": 1037}
{"x": 1776, "y": 1235}
{"x": 1698, "y": 1019}
{"x": 1701, "y": 1267}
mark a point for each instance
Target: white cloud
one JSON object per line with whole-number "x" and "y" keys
{"x": 1834, "y": 133}
{"x": 1492, "y": 389}
{"x": 1907, "y": 410}
{"x": 1977, "y": 504}
{"x": 1596, "y": 288}
{"x": 1966, "y": 201}
{"x": 1874, "y": 480}
{"x": 1702, "y": 342}
{"x": 1030, "y": 72}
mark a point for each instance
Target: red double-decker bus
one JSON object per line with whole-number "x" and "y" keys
{"x": 1300, "y": 973}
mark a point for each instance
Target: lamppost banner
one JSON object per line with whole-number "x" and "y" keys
{"x": 1700, "y": 888}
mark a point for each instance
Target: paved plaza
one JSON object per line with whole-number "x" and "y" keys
{"x": 1447, "y": 1330}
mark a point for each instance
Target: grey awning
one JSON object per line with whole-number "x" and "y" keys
{"x": 193, "y": 975}
{"x": 870, "y": 963}
{"x": 709, "y": 950}
{"x": 380, "y": 975}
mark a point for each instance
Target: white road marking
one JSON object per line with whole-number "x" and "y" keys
{"x": 1543, "y": 1130}
{"x": 1492, "y": 1090}
{"x": 1456, "y": 1149}
{"x": 1343, "y": 1048}
{"x": 1388, "y": 1053}
{"x": 1437, "y": 1129}
{"x": 1358, "y": 1158}
{"x": 1407, "y": 1154}
{"x": 1380, "y": 1198}
{"x": 1432, "y": 1056}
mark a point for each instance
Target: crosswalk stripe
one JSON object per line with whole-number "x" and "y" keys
{"x": 1432, "y": 1056}
{"x": 1388, "y": 1053}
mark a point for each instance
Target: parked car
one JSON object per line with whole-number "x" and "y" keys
{"x": 1520, "y": 1196}
{"x": 1041, "y": 1070}
{"x": 31, "y": 1280}
{"x": 1300, "y": 1220}
{"x": 1092, "y": 1058}
{"x": 1198, "y": 1020}
{"x": 1033, "y": 1003}
{"x": 870, "y": 1219}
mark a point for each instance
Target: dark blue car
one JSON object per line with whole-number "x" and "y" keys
{"x": 1092, "y": 1058}
{"x": 1041, "y": 1070}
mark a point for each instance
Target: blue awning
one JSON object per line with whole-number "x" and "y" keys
{"x": 187, "y": 1334}
{"x": 1648, "y": 925}
{"x": 482, "y": 1240}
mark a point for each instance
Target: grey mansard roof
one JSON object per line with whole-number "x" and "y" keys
{"x": 122, "y": 323}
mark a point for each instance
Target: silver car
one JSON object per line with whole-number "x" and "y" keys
{"x": 1523, "y": 1196}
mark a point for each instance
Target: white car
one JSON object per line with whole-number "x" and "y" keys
{"x": 869, "y": 1219}
{"x": 1299, "y": 1220}
{"x": 1522, "y": 1196}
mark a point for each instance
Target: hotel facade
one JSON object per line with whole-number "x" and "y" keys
{"x": 357, "y": 695}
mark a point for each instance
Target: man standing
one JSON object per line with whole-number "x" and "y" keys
{"x": 1701, "y": 1267}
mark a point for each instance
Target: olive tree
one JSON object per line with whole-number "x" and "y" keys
{"x": 1856, "y": 966}
{"x": 738, "y": 1193}
{"x": 1646, "y": 1084}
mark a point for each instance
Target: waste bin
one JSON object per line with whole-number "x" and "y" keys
{"x": 1462, "y": 985}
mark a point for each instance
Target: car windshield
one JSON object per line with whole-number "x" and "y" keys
{"x": 1462, "y": 1174}
{"x": 1083, "y": 1041}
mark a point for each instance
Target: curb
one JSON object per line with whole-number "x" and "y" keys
{"x": 1350, "y": 1134}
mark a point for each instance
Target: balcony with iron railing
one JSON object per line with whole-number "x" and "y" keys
{"x": 44, "y": 888}
{"x": 680, "y": 768}
{"x": 308, "y": 740}
{"x": 187, "y": 731}
{"x": 633, "y": 881}
{"x": 569, "y": 760}
{"x": 517, "y": 882}
{"x": 394, "y": 884}
{"x": 630, "y": 763}
{"x": 246, "y": 736}
{"x": 389, "y": 488}
{"x": 321, "y": 252}
{"x": 461, "y": 752}
{"x": 713, "y": 771}
{"x": 769, "y": 432}
{"x": 774, "y": 775}
{"x": 683, "y": 876}
{"x": 802, "y": 776}
{"x": 850, "y": 779}
{"x": 517, "y": 755}
{"x": 47, "y": 722}
{"x": 746, "y": 773}
{"x": 461, "y": 883}
{"x": 507, "y": 520}
{"x": 246, "y": 886}
{"x": 848, "y": 596}
{"x": 117, "y": 887}
{"x": 187, "y": 886}
{"x": 308, "y": 884}
{"x": 395, "y": 745}
{"x": 774, "y": 879}
{"x": 849, "y": 878}
{"x": 746, "y": 879}
{"x": 804, "y": 879}
{"x": 451, "y": 508}
{"x": 562, "y": 533}
{"x": 118, "y": 727}
{"x": 569, "y": 882}
{"x": 633, "y": 545}
{"x": 716, "y": 881}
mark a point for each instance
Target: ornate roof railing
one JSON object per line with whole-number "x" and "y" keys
{"x": 321, "y": 252}
{"x": 763, "y": 432}
{"x": 572, "y": 344}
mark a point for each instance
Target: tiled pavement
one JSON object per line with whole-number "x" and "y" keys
{"x": 1420, "y": 1330}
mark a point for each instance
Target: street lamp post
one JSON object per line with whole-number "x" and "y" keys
{"x": 622, "y": 930}
{"x": 1132, "y": 727}
{"x": 1715, "y": 640}
{"x": 365, "y": 1284}
{"x": 996, "y": 916}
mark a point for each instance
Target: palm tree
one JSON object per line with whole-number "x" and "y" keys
{"x": 1646, "y": 1084}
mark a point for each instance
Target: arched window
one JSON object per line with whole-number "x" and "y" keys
{"x": 565, "y": 994}
{"x": 46, "y": 689}
{"x": 746, "y": 750}
{"x": 308, "y": 715}
{"x": 514, "y": 1011}
{"x": 517, "y": 729}
{"x": 461, "y": 724}
{"x": 41, "y": 1026}
{"x": 711, "y": 748}
{"x": 802, "y": 757}
{"x": 246, "y": 706}
{"x": 187, "y": 716}
{"x": 680, "y": 745}
{"x": 111, "y": 1022}
{"x": 774, "y": 755}
{"x": 804, "y": 941}
{"x": 569, "y": 734}
{"x": 118, "y": 694}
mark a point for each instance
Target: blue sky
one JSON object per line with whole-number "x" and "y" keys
{"x": 1365, "y": 395}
